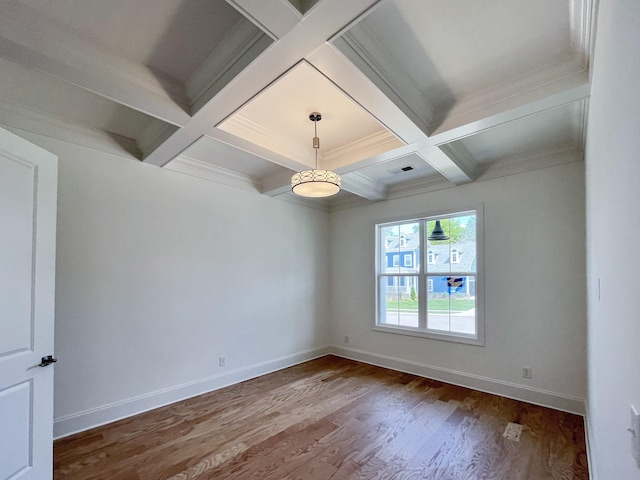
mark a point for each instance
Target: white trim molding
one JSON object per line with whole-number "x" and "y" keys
{"x": 95, "y": 417}
{"x": 212, "y": 173}
{"x": 589, "y": 438}
{"x": 524, "y": 393}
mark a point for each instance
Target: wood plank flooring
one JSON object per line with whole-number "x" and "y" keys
{"x": 331, "y": 418}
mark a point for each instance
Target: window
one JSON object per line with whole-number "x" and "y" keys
{"x": 437, "y": 299}
{"x": 403, "y": 241}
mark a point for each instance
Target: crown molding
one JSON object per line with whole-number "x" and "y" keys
{"x": 364, "y": 186}
{"x": 276, "y": 183}
{"x": 582, "y": 15}
{"x": 212, "y": 173}
{"x": 458, "y": 154}
{"x": 18, "y": 117}
{"x": 259, "y": 134}
{"x": 358, "y": 44}
{"x": 239, "y": 48}
{"x": 316, "y": 204}
{"x": 369, "y": 146}
{"x": 566, "y": 70}
{"x": 579, "y": 119}
{"x": 56, "y": 52}
{"x": 345, "y": 203}
{"x": 155, "y": 134}
{"x": 552, "y": 157}
{"x": 469, "y": 122}
{"x": 274, "y": 17}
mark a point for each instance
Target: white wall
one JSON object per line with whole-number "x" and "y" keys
{"x": 159, "y": 273}
{"x": 535, "y": 297}
{"x": 613, "y": 214}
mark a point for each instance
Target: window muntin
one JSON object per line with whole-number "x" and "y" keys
{"x": 446, "y": 272}
{"x": 408, "y": 260}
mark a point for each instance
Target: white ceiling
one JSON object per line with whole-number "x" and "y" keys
{"x": 550, "y": 129}
{"x": 223, "y": 89}
{"x": 454, "y": 49}
{"x": 278, "y": 118}
{"x": 172, "y": 37}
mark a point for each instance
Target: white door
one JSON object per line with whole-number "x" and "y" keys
{"x": 28, "y": 185}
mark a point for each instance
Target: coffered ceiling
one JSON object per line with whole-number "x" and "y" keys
{"x": 415, "y": 94}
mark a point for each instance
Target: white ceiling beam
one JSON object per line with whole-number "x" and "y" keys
{"x": 257, "y": 150}
{"x": 274, "y": 17}
{"x": 458, "y": 171}
{"x": 323, "y": 21}
{"x": 276, "y": 183}
{"x": 376, "y": 159}
{"x": 380, "y": 67}
{"x": 57, "y": 53}
{"x": 452, "y": 160}
{"x": 546, "y": 97}
{"x": 364, "y": 186}
{"x": 392, "y": 111}
{"x": 350, "y": 79}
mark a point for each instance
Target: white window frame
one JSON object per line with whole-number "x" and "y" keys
{"x": 410, "y": 262}
{"x": 380, "y": 263}
{"x": 429, "y": 284}
{"x": 395, "y": 260}
{"x": 432, "y": 254}
{"x": 403, "y": 241}
{"x": 457, "y": 254}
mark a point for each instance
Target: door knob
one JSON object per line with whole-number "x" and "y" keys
{"x": 48, "y": 360}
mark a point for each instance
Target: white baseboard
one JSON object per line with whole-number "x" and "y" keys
{"x": 78, "y": 422}
{"x": 484, "y": 384}
{"x": 81, "y": 421}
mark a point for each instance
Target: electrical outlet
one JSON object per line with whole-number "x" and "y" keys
{"x": 346, "y": 339}
{"x": 526, "y": 372}
{"x": 223, "y": 361}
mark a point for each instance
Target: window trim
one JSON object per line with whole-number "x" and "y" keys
{"x": 379, "y": 258}
{"x": 409, "y": 257}
{"x": 395, "y": 259}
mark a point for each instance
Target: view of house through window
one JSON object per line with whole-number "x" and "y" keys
{"x": 425, "y": 286}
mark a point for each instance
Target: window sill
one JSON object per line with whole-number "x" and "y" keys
{"x": 431, "y": 334}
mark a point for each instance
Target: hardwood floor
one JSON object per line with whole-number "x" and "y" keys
{"x": 331, "y": 418}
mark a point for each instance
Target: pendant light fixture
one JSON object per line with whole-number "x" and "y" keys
{"x": 317, "y": 182}
{"x": 438, "y": 233}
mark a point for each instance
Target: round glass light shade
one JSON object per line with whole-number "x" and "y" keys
{"x": 315, "y": 183}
